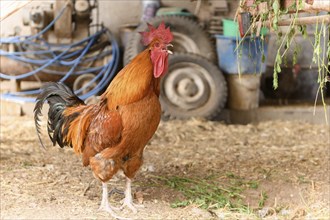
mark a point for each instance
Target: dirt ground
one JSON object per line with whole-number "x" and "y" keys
{"x": 289, "y": 161}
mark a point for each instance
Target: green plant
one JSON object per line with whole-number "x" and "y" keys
{"x": 209, "y": 193}
{"x": 263, "y": 198}
{"x": 271, "y": 18}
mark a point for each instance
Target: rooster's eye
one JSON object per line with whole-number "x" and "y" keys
{"x": 157, "y": 44}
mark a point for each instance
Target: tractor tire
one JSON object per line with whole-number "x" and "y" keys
{"x": 189, "y": 37}
{"x": 193, "y": 87}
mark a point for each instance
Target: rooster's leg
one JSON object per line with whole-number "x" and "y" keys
{"x": 105, "y": 203}
{"x": 128, "y": 200}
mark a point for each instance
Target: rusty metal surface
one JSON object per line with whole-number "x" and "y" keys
{"x": 63, "y": 26}
{"x": 14, "y": 68}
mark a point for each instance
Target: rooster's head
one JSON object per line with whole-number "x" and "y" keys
{"x": 158, "y": 40}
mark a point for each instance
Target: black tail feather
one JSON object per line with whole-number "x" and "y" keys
{"x": 59, "y": 97}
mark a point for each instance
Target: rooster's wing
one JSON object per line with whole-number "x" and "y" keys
{"x": 105, "y": 131}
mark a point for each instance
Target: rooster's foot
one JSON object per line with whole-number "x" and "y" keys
{"x": 127, "y": 202}
{"x": 109, "y": 209}
{"x": 105, "y": 204}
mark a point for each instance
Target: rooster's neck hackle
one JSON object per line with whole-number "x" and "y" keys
{"x": 136, "y": 79}
{"x": 132, "y": 83}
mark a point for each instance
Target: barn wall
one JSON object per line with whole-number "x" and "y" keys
{"x": 113, "y": 13}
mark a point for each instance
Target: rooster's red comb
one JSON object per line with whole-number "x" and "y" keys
{"x": 161, "y": 33}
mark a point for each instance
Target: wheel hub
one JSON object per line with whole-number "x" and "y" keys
{"x": 186, "y": 87}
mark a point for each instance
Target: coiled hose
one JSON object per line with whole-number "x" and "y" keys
{"x": 46, "y": 56}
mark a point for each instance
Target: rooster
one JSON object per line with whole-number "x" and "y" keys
{"x": 111, "y": 135}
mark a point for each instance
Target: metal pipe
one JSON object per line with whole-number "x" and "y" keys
{"x": 301, "y": 21}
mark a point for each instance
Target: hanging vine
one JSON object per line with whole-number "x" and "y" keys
{"x": 272, "y": 17}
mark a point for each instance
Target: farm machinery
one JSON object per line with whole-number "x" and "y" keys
{"x": 63, "y": 46}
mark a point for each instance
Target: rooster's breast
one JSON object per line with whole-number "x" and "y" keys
{"x": 140, "y": 121}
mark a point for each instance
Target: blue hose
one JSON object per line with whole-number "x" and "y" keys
{"x": 22, "y": 76}
{"x": 52, "y": 55}
{"x": 17, "y": 39}
{"x": 15, "y": 55}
